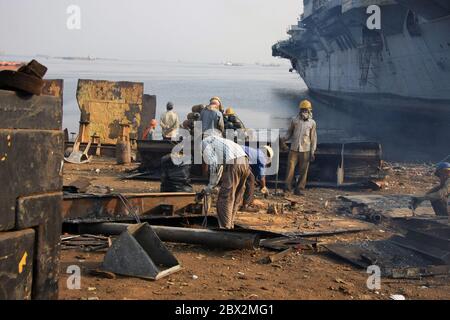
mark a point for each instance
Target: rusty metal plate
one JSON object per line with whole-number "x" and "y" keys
{"x": 30, "y": 163}
{"x": 107, "y": 104}
{"x": 386, "y": 254}
{"x": 30, "y": 112}
{"x": 54, "y": 88}
{"x": 98, "y": 208}
{"x": 148, "y": 113}
{"x": 16, "y": 261}
{"x": 34, "y": 210}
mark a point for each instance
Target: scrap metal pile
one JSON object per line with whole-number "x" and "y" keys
{"x": 132, "y": 228}
{"x": 420, "y": 247}
{"x": 31, "y": 144}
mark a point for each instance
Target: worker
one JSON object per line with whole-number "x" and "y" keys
{"x": 221, "y": 109}
{"x": 169, "y": 122}
{"x": 232, "y": 121}
{"x": 259, "y": 159}
{"x": 212, "y": 118}
{"x": 229, "y": 164}
{"x": 438, "y": 196}
{"x": 149, "y": 133}
{"x": 303, "y": 135}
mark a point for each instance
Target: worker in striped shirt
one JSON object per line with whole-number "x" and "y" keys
{"x": 229, "y": 164}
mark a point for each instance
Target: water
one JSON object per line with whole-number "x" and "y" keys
{"x": 263, "y": 97}
{"x": 247, "y": 88}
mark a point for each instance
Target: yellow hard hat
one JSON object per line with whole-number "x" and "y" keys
{"x": 230, "y": 112}
{"x": 305, "y": 104}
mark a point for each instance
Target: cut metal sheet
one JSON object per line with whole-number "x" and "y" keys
{"x": 109, "y": 207}
{"x": 105, "y": 104}
{"x": 284, "y": 243}
{"x": 336, "y": 165}
{"x": 435, "y": 228}
{"x": 54, "y": 88}
{"x": 392, "y": 206}
{"x": 385, "y": 254}
{"x": 418, "y": 273}
{"x": 285, "y": 225}
{"x": 138, "y": 252}
{"x": 433, "y": 252}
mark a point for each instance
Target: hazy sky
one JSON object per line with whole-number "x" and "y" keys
{"x": 188, "y": 30}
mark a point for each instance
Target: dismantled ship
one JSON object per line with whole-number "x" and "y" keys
{"x": 404, "y": 63}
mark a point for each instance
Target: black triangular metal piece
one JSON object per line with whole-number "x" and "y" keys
{"x": 138, "y": 252}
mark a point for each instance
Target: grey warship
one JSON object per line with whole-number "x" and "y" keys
{"x": 405, "y": 63}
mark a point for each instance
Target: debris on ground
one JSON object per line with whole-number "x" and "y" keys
{"x": 297, "y": 240}
{"x": 86, "y": 243}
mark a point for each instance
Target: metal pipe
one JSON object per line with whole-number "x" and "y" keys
{"x": 209, "y": 238}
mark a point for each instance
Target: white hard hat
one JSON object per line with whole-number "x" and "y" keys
{"x": 269, "y": 151}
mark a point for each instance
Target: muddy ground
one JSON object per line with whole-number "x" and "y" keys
{"x": 219, "y": 274}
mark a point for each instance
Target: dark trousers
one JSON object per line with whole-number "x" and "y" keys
{"x": 231, "y": 192}
{"x": 440, "y": 207}
{"x": 249, "y": 194}
{"x": 300, "y": 160}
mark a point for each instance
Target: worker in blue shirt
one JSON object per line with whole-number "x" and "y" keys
{"x": 259, "y": 159}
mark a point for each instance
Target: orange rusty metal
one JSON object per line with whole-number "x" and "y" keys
{"x": 53, "y": 88}
{"x": 10, "y": 65}
{"x": 105, "y": 105}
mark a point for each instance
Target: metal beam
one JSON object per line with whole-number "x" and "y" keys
{"x": 101, "y": 208}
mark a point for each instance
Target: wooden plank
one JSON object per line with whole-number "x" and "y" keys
{"x": 16, "y": 261}
{"x": 30, "y": 112}
{"x": 30, "y": 163}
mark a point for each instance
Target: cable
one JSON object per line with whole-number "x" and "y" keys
{"x": 128, "y": 207}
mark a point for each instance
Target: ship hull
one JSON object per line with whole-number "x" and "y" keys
{"x": 410, "y": 70}
{"x": 388, "y": 102}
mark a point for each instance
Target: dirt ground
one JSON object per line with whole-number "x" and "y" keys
{"x": 219, "y": 274}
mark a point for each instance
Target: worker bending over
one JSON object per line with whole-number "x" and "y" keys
{"x": 438, "y": 196}
{"x": 259, "y": 160}
{"x": 303, "y": 133}
{"x": 227, "y": 162}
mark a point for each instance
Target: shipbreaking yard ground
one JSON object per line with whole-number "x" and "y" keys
{"x": 241, "y": 274}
